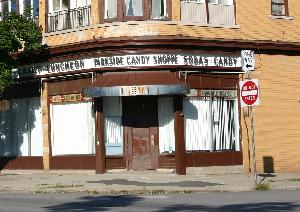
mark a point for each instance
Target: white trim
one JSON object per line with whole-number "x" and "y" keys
{"x": 281, "y": 17}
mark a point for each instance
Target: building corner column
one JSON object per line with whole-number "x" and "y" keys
{"x": 45, "y": 124}
{"x": 180, "y": 156}
{"x": 100, "y": 144}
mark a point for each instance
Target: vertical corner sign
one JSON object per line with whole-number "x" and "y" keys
{"x": 248, "y": 61}
{"x": 249, "y": 93}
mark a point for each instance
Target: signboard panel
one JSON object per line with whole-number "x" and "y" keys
{"x": 68, "y": 98}
{"x": 126, "y": 61}
{"x": 249, "y": 93}
{"x": 248, "y": 61}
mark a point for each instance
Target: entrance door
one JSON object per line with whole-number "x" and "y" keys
{"x": 141, "y": 130}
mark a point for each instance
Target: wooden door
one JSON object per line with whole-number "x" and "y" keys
{"x": 141, "y": 132}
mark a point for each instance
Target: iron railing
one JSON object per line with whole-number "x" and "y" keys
{"x": 68, "y": 19}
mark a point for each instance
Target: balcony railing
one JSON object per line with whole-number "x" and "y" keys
{"x": 35, "y": 19}
{"x": 68, "y": 19}
{"x": 207, "y": 13}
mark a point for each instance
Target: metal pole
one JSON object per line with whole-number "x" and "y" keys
{"x": 252, "y": 137}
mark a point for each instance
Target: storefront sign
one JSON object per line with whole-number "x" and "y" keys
{"x": 226, "y": 94}
{"x": 68, "y": 98}
{"x": 249, "y": 93}
{"x": 124, "y": 61}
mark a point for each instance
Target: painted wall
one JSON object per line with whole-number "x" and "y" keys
{"x": 277, "y": 118}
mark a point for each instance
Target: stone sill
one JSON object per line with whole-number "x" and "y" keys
{"x": 281, "y": 17}
{"x": 178, "y": 23}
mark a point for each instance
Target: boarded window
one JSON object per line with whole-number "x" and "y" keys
{"x": 166, "y": 125}
{"x": 211, "y": 124}
{"x": 72, "y": 128}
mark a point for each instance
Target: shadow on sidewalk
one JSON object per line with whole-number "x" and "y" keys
{"x": 123, "y": 203}
{"x": 101, "y": 203}
{"x": 138, "y": 183}
{"x": 261, "y": 207}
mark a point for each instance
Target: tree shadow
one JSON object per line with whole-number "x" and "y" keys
{"x": 262, "y": 207}
{"x": 101, "y": 203}
{"x": 138, "y": 183}
{"x": 111, "y": 203}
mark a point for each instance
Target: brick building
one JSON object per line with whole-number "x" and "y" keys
{"x": 147, "y": 84}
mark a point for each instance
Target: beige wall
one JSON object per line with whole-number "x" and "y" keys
{"x": 253, "y": 23}
{"x": 277, "y": 118}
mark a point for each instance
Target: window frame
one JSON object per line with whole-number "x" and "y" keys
{"x": 121, "y": 16}
{"x": 285, "y": 5}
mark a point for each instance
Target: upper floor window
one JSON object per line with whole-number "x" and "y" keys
{"x": 279, "y": 7}
{"x": 216, "y": 12}
{"x": 7, "y": 6}
{"x": 124, "y": 10}
{"x": 68, "y": 14}
{"x": 28, "y": 8}
{"x": 57, "y": 5}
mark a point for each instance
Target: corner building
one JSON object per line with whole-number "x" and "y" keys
{"x": 148, "y": 84}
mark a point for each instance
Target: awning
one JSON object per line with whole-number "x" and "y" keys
{"x": 137, "y": 84}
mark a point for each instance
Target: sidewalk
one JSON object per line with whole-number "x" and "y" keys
{"x": 139, "y": 182}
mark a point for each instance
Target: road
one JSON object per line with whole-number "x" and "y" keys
{"x": 223, "y": 201}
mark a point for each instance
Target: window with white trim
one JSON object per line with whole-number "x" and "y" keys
{"x": 7, "y": 6}
{"x": 65, "y": 14}
{"x": 28, "y": 8}
{"x": 279, "y": 7}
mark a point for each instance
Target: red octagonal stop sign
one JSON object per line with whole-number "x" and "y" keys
{"x": 249, "y": 93}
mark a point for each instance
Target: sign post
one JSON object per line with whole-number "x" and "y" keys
{"x": 249, "y": 94}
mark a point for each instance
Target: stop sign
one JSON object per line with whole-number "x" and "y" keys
{"x": 249, "y": 93}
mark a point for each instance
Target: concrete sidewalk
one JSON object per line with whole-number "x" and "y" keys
{"x": 139, "y": 182}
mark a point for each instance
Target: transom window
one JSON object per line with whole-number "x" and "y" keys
{"x": 124, "y": 10}
{"x": 279, "y": 7}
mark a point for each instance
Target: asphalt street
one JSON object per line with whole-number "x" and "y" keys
{"x": 213, "y": 201}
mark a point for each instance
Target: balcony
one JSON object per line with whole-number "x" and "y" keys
{"x": 68, "y": 19}
{"x": 207, "y": 13}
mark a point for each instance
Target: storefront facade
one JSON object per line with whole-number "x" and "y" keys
{"x": 140, "y": 94}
